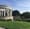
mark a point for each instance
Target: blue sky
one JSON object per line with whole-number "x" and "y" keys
{"x": 21, "y": 5}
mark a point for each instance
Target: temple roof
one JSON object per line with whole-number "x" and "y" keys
{"x": 3, "y": 6}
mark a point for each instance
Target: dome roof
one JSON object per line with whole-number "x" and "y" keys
{"x": 3, "y": 6}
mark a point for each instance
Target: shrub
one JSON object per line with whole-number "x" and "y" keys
{"x": 2, "y": 19}
{"x": 9, "y": 20}
{"x": 17, "y": 19}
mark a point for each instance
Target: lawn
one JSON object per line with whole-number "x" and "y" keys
{"x": 15, "y": 25}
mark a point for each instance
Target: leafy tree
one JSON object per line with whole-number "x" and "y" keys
{"x": 26, "y": 14}
{"x": 15, "y": 13}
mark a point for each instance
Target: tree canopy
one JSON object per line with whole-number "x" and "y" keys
{"x": 15, "y": 13}
{"x": 26, "y": 14}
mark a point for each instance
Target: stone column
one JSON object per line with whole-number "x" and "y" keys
{"x": 10, "y": 13}
{"x": 4, "y": 12}
{"x": 7, "y": 13}
{"x": 0, "y": 13}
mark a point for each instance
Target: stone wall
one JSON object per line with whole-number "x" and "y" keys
{"x": 6, "y": 18}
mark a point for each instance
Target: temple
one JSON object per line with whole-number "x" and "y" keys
{"x": 5, "y": 12}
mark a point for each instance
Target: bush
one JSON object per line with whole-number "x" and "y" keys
{"x": 4, "y": 27}
{"x": 26, "y": 19}
{"x": 17, "y": 19}
{"x": 9, "y": 20}
{"x": 2, "y": 19}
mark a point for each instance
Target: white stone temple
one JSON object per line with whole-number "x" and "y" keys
{"x": 5, "y": 12}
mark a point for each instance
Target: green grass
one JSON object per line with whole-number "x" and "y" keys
{"x": 15, "y": 25}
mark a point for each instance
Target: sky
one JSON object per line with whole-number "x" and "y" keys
{"x": 20, "y": 5}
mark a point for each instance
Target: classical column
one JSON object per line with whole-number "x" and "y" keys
{"x": 0, "y": 13}
{"x": 11, "y": 13}
{"x": 4, "y": 12}
{"x": 7, "y": 13}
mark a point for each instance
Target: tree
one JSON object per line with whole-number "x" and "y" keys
{"x": 15, "y": 13}
{"x": 26, "y": 14}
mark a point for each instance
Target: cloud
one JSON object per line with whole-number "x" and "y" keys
{"x": 20, "y": 5}
{"x": 24, "y": 11}
{"x": 23, "y": 4}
